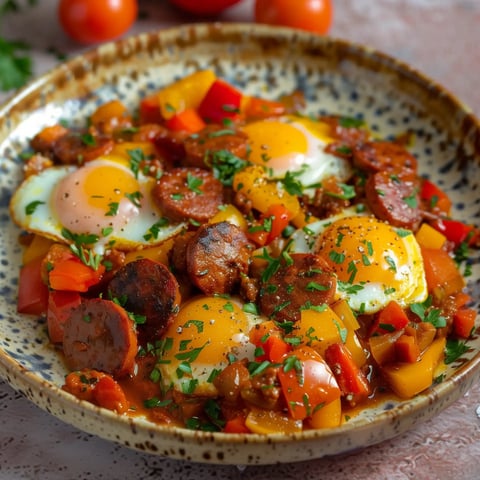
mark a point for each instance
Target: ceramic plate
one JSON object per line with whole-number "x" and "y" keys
{"x": 337, "y": 77}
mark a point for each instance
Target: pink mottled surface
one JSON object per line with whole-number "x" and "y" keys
{"x": 438, "y": 37}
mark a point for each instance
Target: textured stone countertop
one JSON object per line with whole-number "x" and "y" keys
{"x": 441, "y": 38}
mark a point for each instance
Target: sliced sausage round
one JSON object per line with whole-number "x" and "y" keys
{"x": 217, "y": 255}
{"x": 385, "y": 156}
{"x": 393, "y": 200}
{"x": 99, "y": 334}
{"x": 300, "y": 281}
{"x": 170, "y": 144}
{"x": 188, "y": 194}
{"x": 78, "y": 148}
{"x": 201, "y": 148}
{"x": 147, "y": 288}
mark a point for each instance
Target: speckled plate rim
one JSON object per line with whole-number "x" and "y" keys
{"x": 215, "y": 447}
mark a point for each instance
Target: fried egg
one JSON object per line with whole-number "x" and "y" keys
{"x": 296, "y": 145}
{"x": 203, "y": 338}
{"x": 374, "y": 263}
{"x": 104, "y": 198}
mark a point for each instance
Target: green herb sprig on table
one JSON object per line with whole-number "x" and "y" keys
{"x": 15, "y": 61}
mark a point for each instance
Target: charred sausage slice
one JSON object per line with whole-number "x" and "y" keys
{"x": 76, "y": 148}
{"x": 217, "y": 255}
{"x": 393, "y": 200}
{"x": 302, "y": 280}
{"x": 202, "y": 147}
{"x": 385, "y": 156}
{"x": 99, "y": 334}
{"x": 148, "y": 288}
{"x": 188, "y": 194}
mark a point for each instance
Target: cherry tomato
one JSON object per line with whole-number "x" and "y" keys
{"x": 312, "y": 15}
{"x": 204, "y": 7}
{"x": 94, "y": 21}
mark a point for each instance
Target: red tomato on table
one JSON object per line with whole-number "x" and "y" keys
{"x": 94, "y": 21}
{"x": 312, "y": 15}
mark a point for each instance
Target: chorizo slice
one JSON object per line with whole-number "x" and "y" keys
{"x": 200, "y": 148}
{"x": 170, "y": 144}
{"x": 99, "y": 334}
{"x": 385, "y": 156}
{"x": 217, "y": 256}
{"x": 188, "y": 194}
{"x": 76, "y": 148}
{"x": 148, "y": 288}
{"x": 302, "y": 280}
{"x": 393, "y": 200}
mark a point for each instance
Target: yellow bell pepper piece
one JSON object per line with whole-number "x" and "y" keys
{"x": 428, "y": 237}
{"x": 409, "y": 379}
{"x": 345, "y": 313}
{"x": 230, "y": 213}
{"x": 187, "y": 92}
{"x": 253, "y": 183}
{"x": 328, "y": 416}
{"x": 321, "y": 328}
{"x": 270, "y": 421}
{"x": 38, "y": 247}
{"x": 158, "y": 253}
{"x": 122, "y": 149}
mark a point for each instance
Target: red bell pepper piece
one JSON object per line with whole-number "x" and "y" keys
{"x": 150, "y": 110}
{"x": 435, "y": 198}
{"x": 236, "y": 425}
{"x": 352, "y": 381}
{"x": 391, "y": 319}
{"x": 456, "y": 231}
{"x": 32, "y": 291}
{"x": 222, "y": 101}
{"x": 464, "y": 322}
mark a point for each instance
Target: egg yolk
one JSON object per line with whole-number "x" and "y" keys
{"x": 366, "y": 252}
{"x": 284, "y": 144}
{"x": 97, "y": 196}
{"x": 202, "y": 335}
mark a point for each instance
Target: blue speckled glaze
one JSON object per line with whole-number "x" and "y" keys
{"x": 336, "y": 78}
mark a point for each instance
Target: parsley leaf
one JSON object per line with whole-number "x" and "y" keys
{"x": 15, "y": 64}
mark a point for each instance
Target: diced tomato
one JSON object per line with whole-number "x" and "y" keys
{"x": 236, "y": 425}
{"x": 351, "y": 380}
{"x": 268, "y": 337}
{"x": 109, "y": 394}
{"x": 96, "y": 387}
{"x": 307, "y": 382}
{"x": 187, "y": 121}
{"x": 222, "y": 101}
{"x": 71, "y": 274}
{"x": 406, "y": 349}
{"x": 270, "y": 225}
{"x": 464, "y": 322}
{"x": 392, "y": 318}
{"x": 32, "y": 291}
{"x": 441, "y": 272}
{"x": 456, "y": 231}
{"x": 435, "y": 198}
{"x": 60, "y": 305}
{"x": 150, "y": 110}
